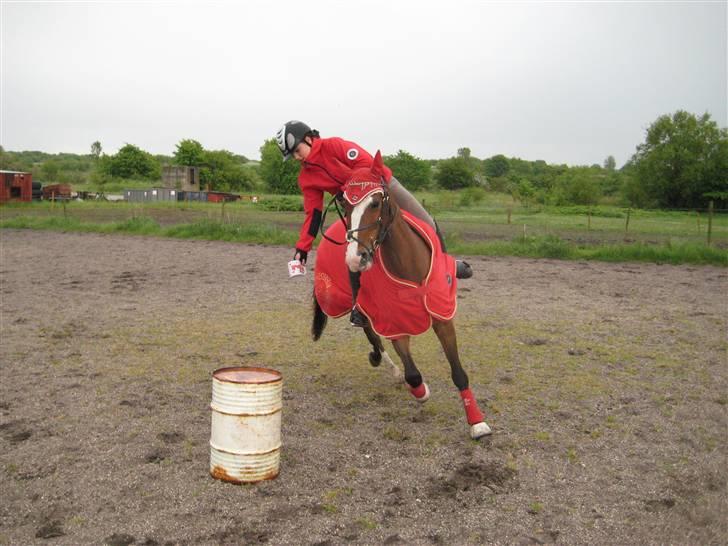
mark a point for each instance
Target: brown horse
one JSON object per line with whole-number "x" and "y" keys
{"x": 407, "y": 286}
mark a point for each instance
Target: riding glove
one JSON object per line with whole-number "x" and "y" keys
{"x": 300, "y": 255}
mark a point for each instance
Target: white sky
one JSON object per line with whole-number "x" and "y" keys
{"x": 564, "y": 82}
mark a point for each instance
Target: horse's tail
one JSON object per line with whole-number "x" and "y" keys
{"x": 319, "y": 320}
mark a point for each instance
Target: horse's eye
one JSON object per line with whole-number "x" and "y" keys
{"x": 374, "y": 205}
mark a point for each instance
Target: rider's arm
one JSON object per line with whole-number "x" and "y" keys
{"x": 313, "y": 202}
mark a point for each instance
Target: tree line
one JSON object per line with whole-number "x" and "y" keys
{"x": 683, "y": 163}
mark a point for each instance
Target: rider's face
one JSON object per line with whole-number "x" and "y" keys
{"x": 302, "y": 150}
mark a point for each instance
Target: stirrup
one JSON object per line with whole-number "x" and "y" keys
{"x": 356, "y": 319}
{"x": 463, "y": 269}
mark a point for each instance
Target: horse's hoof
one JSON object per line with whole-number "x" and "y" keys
{"x": 421, "y": 393}
{"x": 478, "y": 430}
{"x": 375, "y": 359}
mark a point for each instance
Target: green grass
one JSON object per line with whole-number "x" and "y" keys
{"x": 209, "y": 230}
{"x": 553, "y": 247}
{"x": 563, "y": 233}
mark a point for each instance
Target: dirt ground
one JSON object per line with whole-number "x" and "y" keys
{"x": 605, "y": 384}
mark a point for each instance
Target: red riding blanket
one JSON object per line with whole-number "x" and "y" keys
{"x": 395, "y": 307}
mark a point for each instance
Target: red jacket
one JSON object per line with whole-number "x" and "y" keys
{"x": 326, "y": 169}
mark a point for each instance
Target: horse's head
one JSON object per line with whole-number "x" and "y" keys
{"x": 369, "y": 211}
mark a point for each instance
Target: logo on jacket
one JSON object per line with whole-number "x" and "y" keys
{"x": 352, "y": 153}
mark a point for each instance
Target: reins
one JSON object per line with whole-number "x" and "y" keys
{"x": 335, "y": 202}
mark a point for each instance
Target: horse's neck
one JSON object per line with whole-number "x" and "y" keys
{"x": 405, "y": 253}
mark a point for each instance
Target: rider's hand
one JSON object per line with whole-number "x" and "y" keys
{"x": 301, "y": 256}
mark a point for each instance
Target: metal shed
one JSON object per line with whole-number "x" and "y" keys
{"x": 150, "y": 195}
{"x": 192, "y": 196}
{"x": 16, "y": 186}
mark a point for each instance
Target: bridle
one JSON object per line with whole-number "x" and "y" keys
{"x": 384, "y": 227}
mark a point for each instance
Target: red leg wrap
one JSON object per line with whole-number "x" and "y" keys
{"x": 471, "y": 407}
{"x": 418, "y": 392}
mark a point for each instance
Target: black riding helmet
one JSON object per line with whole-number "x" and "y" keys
{"x": 290, "y": 135}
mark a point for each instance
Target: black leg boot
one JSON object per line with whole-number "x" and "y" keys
{"x": 356, "y": 318}
{"x": 462, "y": 269}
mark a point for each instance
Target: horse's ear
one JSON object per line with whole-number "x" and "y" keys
{"x": 378, "y": 165}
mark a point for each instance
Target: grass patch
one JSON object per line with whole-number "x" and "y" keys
{"x": 217, "y": 231}
{"x": 555, "y": 248}
{"x": 246, "y": 223}
{"x": 366, "y": 524}
{"x": 204, "y": 229}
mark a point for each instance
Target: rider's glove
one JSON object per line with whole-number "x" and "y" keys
{"x": 300, "y": 255}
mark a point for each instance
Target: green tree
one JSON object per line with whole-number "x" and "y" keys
{"x": 132, "y": 162}
{"x": 222, "y": 171}
{"x": 411, "y": 171}
{"x": 50, "y": 170}
{"x": 278, "y": 175}
{"x": 496, "y": 166}
{"x": 610, "y": 164}
{"x": 683, "y": 158}
{"x": 189, "y": 152}
{"x": 578, "y": 186}
{"x": 11, "y": 162}
{"x": 96, "y": 149}
{"x": 455, "y": 173}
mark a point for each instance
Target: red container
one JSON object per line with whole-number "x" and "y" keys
{"x": 57, "y": 191}
{"x": 219, "y": 197}
{"x": 16, "y": 186}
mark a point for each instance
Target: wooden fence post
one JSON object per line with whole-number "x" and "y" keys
{"x": 697, "y": 217}
{"x": 588, "y": 222}
{"x": 710, "y": 221}
{"x": 626, "y": 226}
{"x": 222, "y": 214}
{"x": 509, "y": 216}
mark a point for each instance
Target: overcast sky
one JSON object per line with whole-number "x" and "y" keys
{"x": 564, "y": 82}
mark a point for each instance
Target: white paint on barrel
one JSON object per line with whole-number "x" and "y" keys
{"x": 245, "y": 438}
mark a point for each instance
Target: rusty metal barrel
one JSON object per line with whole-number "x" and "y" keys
{"x": 245, "y": 440}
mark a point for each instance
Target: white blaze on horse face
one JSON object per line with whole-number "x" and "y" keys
{"x": 353, "y": 258}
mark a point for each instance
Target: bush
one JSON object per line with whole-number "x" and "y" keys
{"x": 455, "y": 173}
{"x": 282, "y": 203}
{"x": 471, "y": 196}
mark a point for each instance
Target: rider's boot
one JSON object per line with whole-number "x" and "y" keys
{"x": 356, "y": 318}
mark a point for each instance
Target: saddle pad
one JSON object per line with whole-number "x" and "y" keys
{"x": 395, "y": 307}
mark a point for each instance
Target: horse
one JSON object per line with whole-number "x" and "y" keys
{"x": 408, "y": 284}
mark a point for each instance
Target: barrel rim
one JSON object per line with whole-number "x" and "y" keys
{"x": 278, "y": 375}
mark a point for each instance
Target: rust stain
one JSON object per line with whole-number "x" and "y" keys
{"x": 220, "y": 473}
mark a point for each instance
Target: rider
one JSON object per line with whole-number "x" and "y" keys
{"x": 325, "y": 166}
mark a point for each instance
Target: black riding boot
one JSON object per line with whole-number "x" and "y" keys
{"x": 356, "y": 318}
{"x": 462, "y": 269}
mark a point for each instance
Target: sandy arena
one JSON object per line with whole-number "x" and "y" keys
{"x": 606, "y": 386}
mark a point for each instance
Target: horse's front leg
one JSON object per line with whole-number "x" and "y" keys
{"x": 448, "y": 339}
{"x": 412, "y": 376}
{"x": 378, "y": 352}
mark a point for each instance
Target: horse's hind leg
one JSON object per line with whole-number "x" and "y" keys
{"x": 375, "y": 356}
{"x": 412, "y": 376}
{"x": 446, "y": 334}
